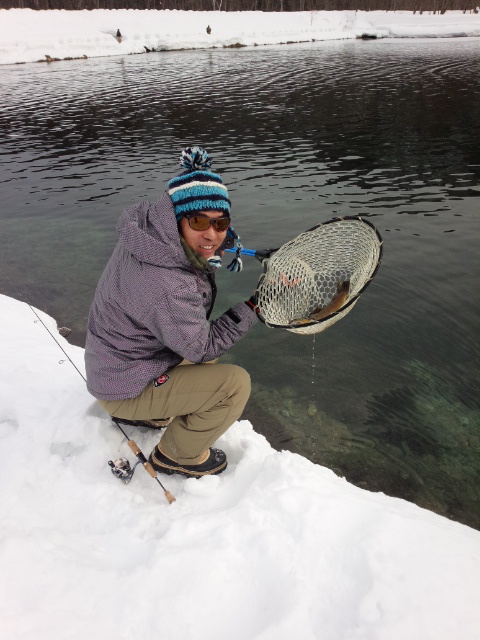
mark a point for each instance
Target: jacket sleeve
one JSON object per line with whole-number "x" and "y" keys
{"x": 181, "y": 324}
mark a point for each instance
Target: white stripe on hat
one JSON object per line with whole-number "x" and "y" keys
{"x": 197, "y": 183}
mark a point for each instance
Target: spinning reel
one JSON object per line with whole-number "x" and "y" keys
{"x": 121, "y": 469}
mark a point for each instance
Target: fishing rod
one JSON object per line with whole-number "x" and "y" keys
{"x": 121, "y": 467}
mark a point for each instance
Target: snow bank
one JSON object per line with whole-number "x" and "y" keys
{"x": 30, "y": 36}
{"x": 273, "y": 548}
{"x": 406, "y": 24}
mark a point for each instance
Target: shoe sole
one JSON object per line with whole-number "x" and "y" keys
{"x": 161, "y": 467}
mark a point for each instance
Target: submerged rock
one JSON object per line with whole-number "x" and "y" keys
{"x": 312, "y": 410}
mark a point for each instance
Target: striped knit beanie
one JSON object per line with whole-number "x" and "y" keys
{"x": 197, "y": 188}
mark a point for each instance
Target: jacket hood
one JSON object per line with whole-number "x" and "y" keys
{"x": 149, "y": 231}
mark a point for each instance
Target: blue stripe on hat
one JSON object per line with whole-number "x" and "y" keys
{"x": 196, "y": 206}
{"x": 210, "y": 196}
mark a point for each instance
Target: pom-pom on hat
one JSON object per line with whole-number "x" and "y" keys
{"x": 197, "y": 188}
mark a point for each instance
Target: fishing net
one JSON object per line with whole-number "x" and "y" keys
{"x": 314, "y": 280}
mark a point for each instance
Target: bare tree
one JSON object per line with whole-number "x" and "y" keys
{"x": 420, "y": 6}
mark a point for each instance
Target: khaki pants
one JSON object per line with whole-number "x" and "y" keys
{"x": 206, "y": 399}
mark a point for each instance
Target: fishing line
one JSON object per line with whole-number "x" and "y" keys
{"x": 59, "y": 345}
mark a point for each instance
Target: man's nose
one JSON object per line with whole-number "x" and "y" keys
{"x": 210, "y": 233}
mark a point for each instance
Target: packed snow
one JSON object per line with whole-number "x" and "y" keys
{"x": 30, "y": 36}
{"x": 276, "y": 547}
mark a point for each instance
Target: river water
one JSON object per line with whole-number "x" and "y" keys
{"x": 389, "y": 129}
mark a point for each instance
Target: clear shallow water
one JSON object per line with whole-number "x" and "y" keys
{"x": 386, "y": 129}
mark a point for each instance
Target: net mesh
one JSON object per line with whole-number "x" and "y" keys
{"x": 305, "y": 275}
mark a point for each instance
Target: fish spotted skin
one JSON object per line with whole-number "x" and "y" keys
{"x": 336, "y": 303}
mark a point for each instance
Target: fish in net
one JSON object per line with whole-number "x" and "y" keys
{"x": 315, "y": 279}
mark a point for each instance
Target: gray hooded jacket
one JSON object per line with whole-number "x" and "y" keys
{"x": 151, "y": 308}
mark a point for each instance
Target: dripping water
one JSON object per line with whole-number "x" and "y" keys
{"x": 313, "y": 369}
{"x": 312, "y": 407}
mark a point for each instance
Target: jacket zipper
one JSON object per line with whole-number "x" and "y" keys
{"x": 211, "y": 279}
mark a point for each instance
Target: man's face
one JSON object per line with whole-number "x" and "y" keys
{"x": 207, "y": 242}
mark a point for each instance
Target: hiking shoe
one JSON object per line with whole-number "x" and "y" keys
{"x": 213, "y": 465}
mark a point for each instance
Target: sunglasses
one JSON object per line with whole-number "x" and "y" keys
{"x": 202, "y": 223}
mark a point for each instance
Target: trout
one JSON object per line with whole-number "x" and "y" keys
{"x": 335, "y": 304}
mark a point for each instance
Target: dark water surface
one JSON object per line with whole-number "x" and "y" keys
{"x": 389, "y": 396}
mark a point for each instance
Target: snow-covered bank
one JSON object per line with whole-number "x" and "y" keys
{"x": 30, "y": 36}
{"x": 273, "y": 548}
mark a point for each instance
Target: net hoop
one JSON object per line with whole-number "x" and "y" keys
{"x": 304, "y": 274}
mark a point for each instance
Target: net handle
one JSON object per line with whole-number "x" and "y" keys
{"x": 262, "y": 254}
